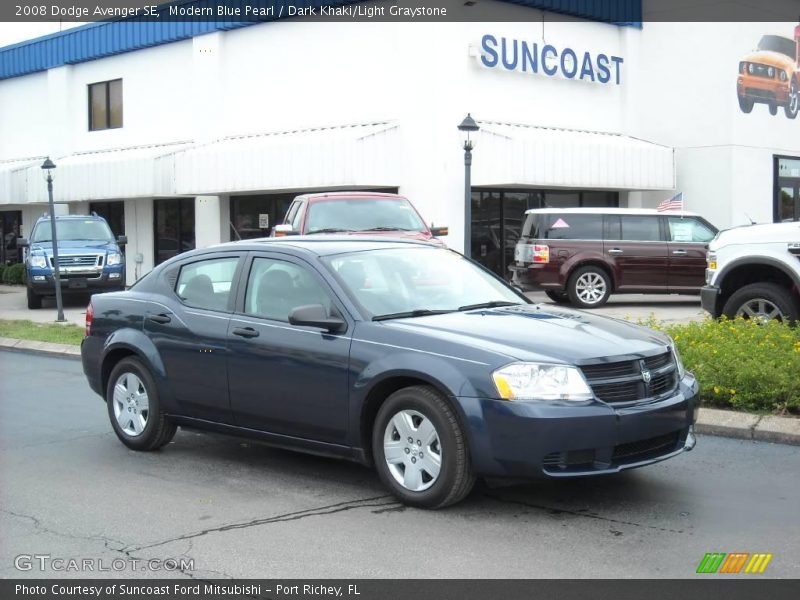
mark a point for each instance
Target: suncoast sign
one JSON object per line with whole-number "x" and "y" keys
{"x": 546, "y": 59}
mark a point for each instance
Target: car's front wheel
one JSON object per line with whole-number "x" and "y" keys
{"x": 793, "y": 103}
{"x": 763, "y": 302}
{"x": 34, "y": 300}
{"x": 745, "y": 104}
{"x": 134, "y": 407}
{"x": 773, "y": 109}
{"x": 419, "y": 449}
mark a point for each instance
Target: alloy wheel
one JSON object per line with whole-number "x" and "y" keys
{"x": 590, "y": 288}
{"x": 412, "y": 450}
{"x": 131, "y": 404}
{"x": 760, "y": 310}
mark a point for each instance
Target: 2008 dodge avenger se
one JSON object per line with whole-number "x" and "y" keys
{"x": 394, "y": 353}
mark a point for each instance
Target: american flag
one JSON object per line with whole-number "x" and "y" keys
{"x": 674, "y": 203}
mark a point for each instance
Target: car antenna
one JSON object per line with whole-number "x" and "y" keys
{"x": 749, "y": 218}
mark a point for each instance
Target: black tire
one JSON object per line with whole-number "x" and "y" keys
{"x": 455, "y": 478}
{"x": 793, "y": 103}
{"x": 34, "y": 300}
{"x": 745, "y": 104}
{"x": 157, "y": 431}
{"x": 771, "y": 293}
{"x": 773, "y": 108}
{"x": 557, "y": 296}
{"x": 578, "y": 295}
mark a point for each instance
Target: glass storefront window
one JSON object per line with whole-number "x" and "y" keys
{"x": 113, "y": 213}
{"x": 787, "y": 189}
{"x": 10, "y": 223}
{"x": 174, "y": 227}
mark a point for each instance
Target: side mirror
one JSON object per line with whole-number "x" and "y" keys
{"x": 315, "y": 315}
{"x": 282, "y": 230}
{"x": 122, "y": 240}
{"x": 23, "y": 243}
{"x": 439, "y": 231}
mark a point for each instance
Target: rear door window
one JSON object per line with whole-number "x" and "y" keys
{"x": 207, "y": 284}
{"x": 640, "y": 228}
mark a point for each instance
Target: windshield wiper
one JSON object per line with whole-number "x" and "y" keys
{"x": 385, "y": 228}
{"x": 491, "y": 304}
{"x": 420, "y": 312}
{"x": 332, "y": 230}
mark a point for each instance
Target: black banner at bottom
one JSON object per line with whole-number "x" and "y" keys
{"x": 398, "y": 589}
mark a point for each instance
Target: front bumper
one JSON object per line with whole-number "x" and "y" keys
{"x": 43, "y": 282}
{"x": 709, "y": 296}
{"x": 548, "y": 439}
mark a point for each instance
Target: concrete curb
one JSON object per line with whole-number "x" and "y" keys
{"x": 45, "y": 348}
{"x": 710, "y": 421}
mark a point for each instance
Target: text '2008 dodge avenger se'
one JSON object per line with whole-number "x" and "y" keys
{"x": 398, "y": 354}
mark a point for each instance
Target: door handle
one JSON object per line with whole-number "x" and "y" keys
{"x": 614, "y": 251}
{"x": 679, "y": 252}
{"x": 162, "y": 319}
{"x": 245, "y": 332}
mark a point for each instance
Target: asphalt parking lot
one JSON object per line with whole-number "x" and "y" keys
{"x": 670, "y": 309}
{"x": 240, "y": 509}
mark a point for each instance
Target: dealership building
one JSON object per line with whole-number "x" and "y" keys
{"x": 187, "y": 134}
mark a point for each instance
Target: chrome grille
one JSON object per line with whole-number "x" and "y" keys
{"x": 624, "y": 382}
{"x": 78, "y": 260}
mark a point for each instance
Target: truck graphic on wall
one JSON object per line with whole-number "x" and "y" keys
{"x": 771, "y": 75}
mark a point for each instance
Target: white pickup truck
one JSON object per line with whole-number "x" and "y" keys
{"x": 754, "y": 272}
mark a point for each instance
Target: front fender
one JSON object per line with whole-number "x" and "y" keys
{"x": 133, "y": 341}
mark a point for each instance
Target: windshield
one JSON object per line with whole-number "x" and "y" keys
{"x": 776, "y": 43}
{"x": 396, "y": 281}
{"x": 73, "y": 229}
{"x": 378, "y": 214}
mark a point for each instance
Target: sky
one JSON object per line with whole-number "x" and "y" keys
{"x": 11, "y": 33}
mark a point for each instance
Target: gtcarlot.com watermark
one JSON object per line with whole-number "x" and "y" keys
{"x": 48, "y": 562}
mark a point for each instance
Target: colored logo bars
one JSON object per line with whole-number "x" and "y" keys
{"x": 719, "y": 562}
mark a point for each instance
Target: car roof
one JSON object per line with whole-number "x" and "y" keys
{"x": 610, "y": 211}
{"x": 354, "y": 195}
{"x": 324, "y": 244}
{"x": 46, "y": 217}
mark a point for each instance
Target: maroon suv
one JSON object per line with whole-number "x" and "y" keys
{"x": 583, "y": 255}
{"x": 344, "y": 213}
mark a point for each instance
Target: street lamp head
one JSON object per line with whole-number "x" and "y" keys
{"x": 47, "y": 169}
{"x": 468, "y": 125}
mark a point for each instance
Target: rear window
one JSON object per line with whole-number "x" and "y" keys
{"x": 563, "y": 226}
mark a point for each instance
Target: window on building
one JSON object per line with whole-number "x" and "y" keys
{"x": 207, "y": 284}
{"x": 105, "y": 105}
{"x": 10, "y": 223}
{"x": 786, "y": 205}
{"x": 174, "y": 227}
{"x": 113, "y": 213}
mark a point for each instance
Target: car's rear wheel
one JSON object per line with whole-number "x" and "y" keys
{"x": 745, "y": 104}
{"x": 134, "y": 407}
{"x": 763, "y": 302}
{"x": 793, "y": 103}
{"x": 589, "y": 287}
{"x": 557, "y": 296}
{"x": 34, "y": 300}
{"x": 420, "y": 452}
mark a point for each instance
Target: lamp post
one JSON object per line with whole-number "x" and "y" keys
{"x": 47, "y": 171}
{"x": 468, "y": 125}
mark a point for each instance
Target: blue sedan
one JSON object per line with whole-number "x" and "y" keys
{"x": 402, "y": 355}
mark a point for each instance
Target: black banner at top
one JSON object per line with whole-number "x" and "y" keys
{"x": 629, "y": 12}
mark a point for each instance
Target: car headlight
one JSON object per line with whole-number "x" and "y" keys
{"x": 114, "y": 258}
{"x": 678, "y": 361}
{"x": 771, "y": 71}
{"x": 711, "y": 261}
{"x": 784, "y": 76}
{"x": 539, "y": 381}
{"x": 751, "y": 68}
{"x": 40, "y": 262}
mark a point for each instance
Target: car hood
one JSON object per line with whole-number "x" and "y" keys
{"x": 74, "y": 246}
{"x": 766, "y": 233}
{"x": 539, "y": 332}
{"x": 770, "y": 58}
{"x": 422, "y": 236}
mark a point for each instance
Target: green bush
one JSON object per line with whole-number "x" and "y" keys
{"x": 741, "y": 364}
{"x": 14, "y": 274}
